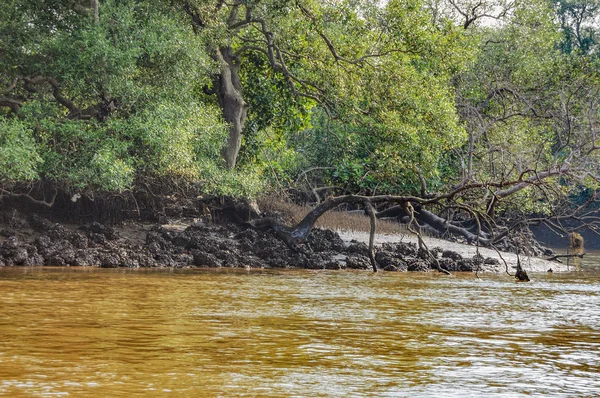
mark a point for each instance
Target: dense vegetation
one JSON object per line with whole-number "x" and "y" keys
{"x": 483, "y": 99}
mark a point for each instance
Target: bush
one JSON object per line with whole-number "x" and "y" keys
{"x": 19, "y": 157}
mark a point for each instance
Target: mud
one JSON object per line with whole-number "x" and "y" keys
{"x": 36, "y": 241}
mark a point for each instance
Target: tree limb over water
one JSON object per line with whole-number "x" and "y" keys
{"x": 438, "y": 212}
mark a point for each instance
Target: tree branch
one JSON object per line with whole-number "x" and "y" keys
{"x": 10, "y": 87}
{"x": 11, "y": 103}
{"x": 44, "y": 203}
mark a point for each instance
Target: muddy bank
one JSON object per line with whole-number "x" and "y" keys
{"x": 34, "y": 240}
{"x": 531, "y": 263}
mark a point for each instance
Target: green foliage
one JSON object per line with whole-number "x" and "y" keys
{"x": 392, "y": 96}
{"x": 242, "y": 182}
{"x": 19, "y": 158}
{"x": 381, "y": 94}
{"x": 579, "y": 25}
{"x": 274, "y": 113}
{"x": 142, "y": 61}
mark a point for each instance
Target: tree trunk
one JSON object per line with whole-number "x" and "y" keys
{"x": 233, "y": 106}
{"x": 95, "y": 11}
{"x": 293, "y": 235}
{"x": 437, "y": 223}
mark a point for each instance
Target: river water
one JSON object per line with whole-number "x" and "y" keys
{"x": 97, "y": 332}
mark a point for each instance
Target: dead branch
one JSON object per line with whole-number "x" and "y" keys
{"x": 559, "y": 256}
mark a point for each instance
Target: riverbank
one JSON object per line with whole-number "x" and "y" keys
{"x": 34, "y": 241}
{"x": 531, "y": 264}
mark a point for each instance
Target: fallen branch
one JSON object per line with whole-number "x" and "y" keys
{"x": 559, "y": 256}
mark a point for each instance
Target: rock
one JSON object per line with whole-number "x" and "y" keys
{"x": 202, "y": 259}
{"x": 321, "y": 240}
{"x": 268, "y": 247}
{"x": 15, "y": 252}
{"x": 58, "y": 232}
{"x": 334, "y": 265}
{"x": 34, "y": 260}
{"x": 85, "y": 258}
{"x": 452, "y": 255}
{"x": 436, "y": 251}
{"x": 248, "y": 234}
{"x": 154, "y": 248}
{"x": 62, "y": 250}
{"x": 156, "y": 242}
{"x": 20, "y": 256}
{"x": 97, "y": 239}
{"x": 7, "y": 233}
{"x": 79, "y": 240}
{"x": 211, "y": 245}
{"x": 548, "y": 252}
{"x": 314, "y": 261}
{"x": 406, "y": 249}
{"x": 358, "y": 248}
{"x": 15, "y": 220}
{"x": 55, "y": 261}
{"x": 426, "y": 255}
{"x": 465, "y": 265}
{"x": 40, "y": 223}
{"x": 245, "y": 245}
{"x": 491, "y": 261}
{"x": 181, "y": 240}
{"x": 252, "y": 262}
{"x": 388, "y": 262}
{"x": 109, "y": 260}
{"x": 10, "y": 244}
{"x": 228, "y": 258}
{"x": 9, "y": 247}
{"x": 358, "y": 261}
{"x": 181, "y": 260}
{"x": 416, "y": 264}
{"x": 101, "y": 229}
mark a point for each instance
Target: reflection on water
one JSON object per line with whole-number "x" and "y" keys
{"x": 84, "y": 331}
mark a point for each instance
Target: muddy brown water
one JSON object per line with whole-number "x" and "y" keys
{"x": 94, "y": 332}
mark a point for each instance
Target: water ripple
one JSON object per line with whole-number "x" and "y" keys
{"x": 296, "y": 333}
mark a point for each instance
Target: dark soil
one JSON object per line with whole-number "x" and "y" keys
{"x": 35, "y": 241}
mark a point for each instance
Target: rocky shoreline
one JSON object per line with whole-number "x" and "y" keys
{"x": 36, "y": 241}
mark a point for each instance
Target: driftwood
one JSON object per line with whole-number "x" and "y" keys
{"x": 559, "y": 256}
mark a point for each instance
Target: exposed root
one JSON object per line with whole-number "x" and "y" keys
{"x": 422, "y": 244}
{"x": 371, "y": 213}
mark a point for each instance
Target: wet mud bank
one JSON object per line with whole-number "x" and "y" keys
{"x": 34, "y": 241}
